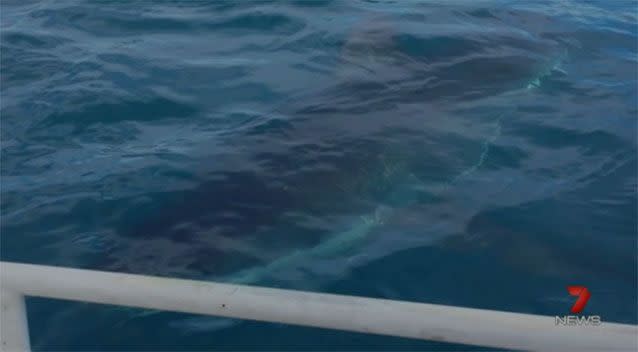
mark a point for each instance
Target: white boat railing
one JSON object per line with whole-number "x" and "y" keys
{"x": 349, "y": 313}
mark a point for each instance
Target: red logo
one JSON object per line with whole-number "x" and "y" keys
{"x": 583, "y": 296}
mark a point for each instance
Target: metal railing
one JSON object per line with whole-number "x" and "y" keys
{"x": 349, "y": 313}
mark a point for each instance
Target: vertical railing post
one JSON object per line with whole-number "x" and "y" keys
{"x": 14, "y": 328}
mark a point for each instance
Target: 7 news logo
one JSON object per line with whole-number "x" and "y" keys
{"x": 574, "y": 320}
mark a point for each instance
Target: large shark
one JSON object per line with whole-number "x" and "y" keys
{"x": 348, "y": 161}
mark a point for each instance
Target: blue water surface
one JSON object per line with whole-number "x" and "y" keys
{"x": 470, "y": 153}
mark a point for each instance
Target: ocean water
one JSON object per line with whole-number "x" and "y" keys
{"x": 471, "y": 153}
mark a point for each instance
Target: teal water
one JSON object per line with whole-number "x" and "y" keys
{"x": 470, "y": 153}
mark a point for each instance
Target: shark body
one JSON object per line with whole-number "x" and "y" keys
{"x": 344, "y": 129}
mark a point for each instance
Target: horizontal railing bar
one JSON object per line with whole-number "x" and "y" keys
{"x": 359, "y": 314}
